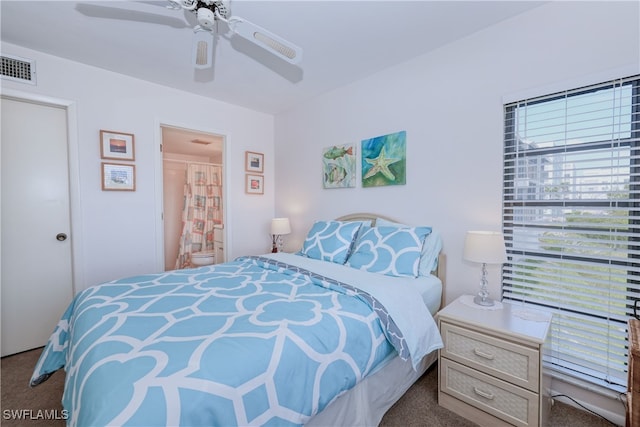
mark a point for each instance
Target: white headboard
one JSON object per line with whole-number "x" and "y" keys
{"x": 364, "y": 217}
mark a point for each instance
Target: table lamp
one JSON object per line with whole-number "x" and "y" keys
{"x": 485, "y": 247}
{"x": 279, "y": 227}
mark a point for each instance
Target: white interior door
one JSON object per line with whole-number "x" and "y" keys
{"x": 35, "y": 263}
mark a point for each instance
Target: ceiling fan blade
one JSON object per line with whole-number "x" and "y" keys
{"x": 161, "y": 3}
{"x": 109, "y": 12}
{"x": 202, "y": 49}
{"x": 266, "y": 39}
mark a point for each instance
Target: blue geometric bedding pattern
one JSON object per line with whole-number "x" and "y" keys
{"x": 228, "y": 344}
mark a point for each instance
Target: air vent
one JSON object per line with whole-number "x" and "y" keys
{"x": 18, "y": 69}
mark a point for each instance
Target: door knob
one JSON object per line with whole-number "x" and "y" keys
{"x": 61, "y": 237}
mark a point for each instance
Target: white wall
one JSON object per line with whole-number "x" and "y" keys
{"x": 450, "y": 102}
{"x": 119, "y": 233}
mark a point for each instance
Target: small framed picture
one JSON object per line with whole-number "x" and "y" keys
{"x": 255, "y": 184}
{"x": 253, "y": 162}
{"x": 118, "y": 177}
{"x": 116, "y": 145}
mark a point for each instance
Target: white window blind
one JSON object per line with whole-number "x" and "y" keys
{"x": 571, "y": 219}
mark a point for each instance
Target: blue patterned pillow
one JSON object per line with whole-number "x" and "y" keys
{"x": 331, "y": 240}
{"x": 394, "y": 251}
{"x": 430, "y": 250}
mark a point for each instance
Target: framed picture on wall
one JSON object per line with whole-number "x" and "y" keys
{"x": 118, "y": 177}
{"x": 253, "y": 162}
{"x": 384, "y": 160}
{"x": 254, "y": 184}
{"x": 339, "y": 166}
{"x": 116, "y": 145}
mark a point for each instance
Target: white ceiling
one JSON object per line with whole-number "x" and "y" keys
{"x": 343, "y": 41}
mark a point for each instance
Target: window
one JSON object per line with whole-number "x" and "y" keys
{"x": 571, "y": 220}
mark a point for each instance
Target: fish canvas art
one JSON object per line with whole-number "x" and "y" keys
{"x": 384, "y": 160}
{"x": 339, "y": 166}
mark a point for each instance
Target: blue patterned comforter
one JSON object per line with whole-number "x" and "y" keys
{"x": 257, "y": 341}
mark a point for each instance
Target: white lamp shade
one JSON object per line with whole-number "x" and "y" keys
{"x": 280, "y": 226}
{"x": 485, "y": 247}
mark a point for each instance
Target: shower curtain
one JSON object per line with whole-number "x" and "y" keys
{"x": 201, "y": 211}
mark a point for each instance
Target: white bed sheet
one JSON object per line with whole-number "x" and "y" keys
{"x": 430, "y": 287}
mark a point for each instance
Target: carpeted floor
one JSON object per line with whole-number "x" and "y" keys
{"x": 418, "y": 407}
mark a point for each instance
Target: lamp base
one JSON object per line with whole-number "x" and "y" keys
{"x": 486, "y": 302}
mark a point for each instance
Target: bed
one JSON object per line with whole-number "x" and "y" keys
{"x": 331, "y": 335}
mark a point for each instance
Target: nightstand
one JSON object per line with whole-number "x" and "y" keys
{"x": 490, "y": 368}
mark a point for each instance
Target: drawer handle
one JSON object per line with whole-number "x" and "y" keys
{"x": 483, "y": 354}
{"x": 484, "y": 394}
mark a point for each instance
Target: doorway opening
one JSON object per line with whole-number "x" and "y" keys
{"x": 194, "y": 203}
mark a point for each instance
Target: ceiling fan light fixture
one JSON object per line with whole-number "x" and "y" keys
{"x": 206, "y": 18}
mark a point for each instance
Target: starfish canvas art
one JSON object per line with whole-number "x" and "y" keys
{"x": 384, "y": 160}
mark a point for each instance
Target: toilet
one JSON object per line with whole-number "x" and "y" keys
{"x": 199, "y": 259}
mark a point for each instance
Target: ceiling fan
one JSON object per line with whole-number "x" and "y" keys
{"x": 210, "y": 12}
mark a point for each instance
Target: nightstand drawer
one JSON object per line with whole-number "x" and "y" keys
{"x": 506, "y": 360}
{"x": 498, "y": 398}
